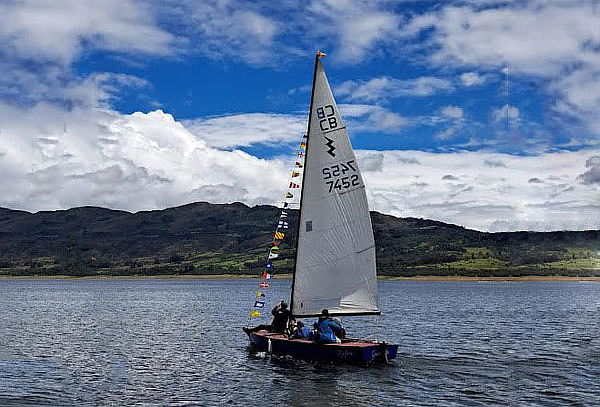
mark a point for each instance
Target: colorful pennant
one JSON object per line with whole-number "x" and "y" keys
{"x": 254, "y": 314}
{"x": 294, "y": 185}
{"x": 279, "y": 235}
{"x": 264, "y": 285}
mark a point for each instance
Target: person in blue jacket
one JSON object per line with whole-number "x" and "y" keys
{"x": 302, "y": 332}
{"x": 326, "y": 328}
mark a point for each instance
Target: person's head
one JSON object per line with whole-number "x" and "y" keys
{"x": 283, "y": 304}
{"x": 325, "y": 313}
{"x": 300, "y": 324}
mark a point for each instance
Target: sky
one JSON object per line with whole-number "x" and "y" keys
{"x": 479, "y": 113}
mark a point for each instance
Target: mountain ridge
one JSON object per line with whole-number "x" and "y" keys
{"x": 205, "y": 238}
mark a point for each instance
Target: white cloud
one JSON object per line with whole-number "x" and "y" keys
{"x": 448, "y": 132}
{"x": 557, "y": 41}
{"x": 357, "y": 28}
{"x": 42, "y": 39}
{"x": 149, "y": 160}
{"x": 506, "y": 111}
{"x": 373, "y": 119}
{"x": 57, "y": 30}
{"x": 359, "y": 32}
{"x": 451, "y": 119}
{"x": 20, "y": 87}
{"x": 269, "y": 129}
{"x": 371, "y": 161}
{"x": 592, "y": 175}
{"x": 535, "y": 37}
{"x": 132, "y": 162}
{"x": 243, "y": 130}
{"x": 579, "y": 93}
{"x": 453, "y": 112}
{"x": 469, "y": 79}
{"x": 96, "y": 90}
{"x": 219, "y": 29}
{"x": 384, "y": 88}
{"x": 494, "y": 163}
{"x": 462, "y": 188}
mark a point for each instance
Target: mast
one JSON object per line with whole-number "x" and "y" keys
{"x": 312, "y": 96}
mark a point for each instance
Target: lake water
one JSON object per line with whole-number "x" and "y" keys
{"x": 179, "y": 342}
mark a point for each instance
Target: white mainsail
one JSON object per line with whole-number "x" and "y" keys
{"x": 335, "y": 263}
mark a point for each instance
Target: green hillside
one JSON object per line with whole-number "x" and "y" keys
{"x": 203, "y": 238}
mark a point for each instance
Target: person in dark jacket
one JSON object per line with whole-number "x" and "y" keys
{"x": 326, "y": 328}
{"x": 281, "y": 315}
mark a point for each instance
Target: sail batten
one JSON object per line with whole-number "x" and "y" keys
{"x": 335, "y": 258}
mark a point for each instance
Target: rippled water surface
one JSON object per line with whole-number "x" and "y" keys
{"x": 179, "y": 342}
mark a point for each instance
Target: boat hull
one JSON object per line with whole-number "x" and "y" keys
{"x": 355, "y": 351}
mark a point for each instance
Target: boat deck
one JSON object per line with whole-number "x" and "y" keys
{"x": 361, "y": 343}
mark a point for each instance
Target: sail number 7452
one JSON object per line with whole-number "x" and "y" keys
{"x": 341, "y": 176}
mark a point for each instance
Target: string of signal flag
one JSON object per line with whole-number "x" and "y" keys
{"x": 280, "y": 233}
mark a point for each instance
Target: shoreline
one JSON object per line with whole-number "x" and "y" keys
{"x": 289, "y": 276}
{"x": 476, "y": 279}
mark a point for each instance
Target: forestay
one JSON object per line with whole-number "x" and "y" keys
{"x": 335, "y": 265}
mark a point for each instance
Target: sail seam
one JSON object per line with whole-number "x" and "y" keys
{"x": 351, "y": 190}
{"x": 364, "y": 250}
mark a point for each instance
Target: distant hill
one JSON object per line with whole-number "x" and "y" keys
{"x": 203, "y": 238}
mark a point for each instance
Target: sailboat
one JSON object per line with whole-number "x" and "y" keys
{"x": 335, "y": 255}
